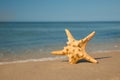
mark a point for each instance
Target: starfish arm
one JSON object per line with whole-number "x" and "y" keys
{"x": 86, "y": 39}
{"x": 60, "y": 52}
{"x": 89, "y": 58}
{"x": 69, "y": 35}
{"x": 73, "y": 60}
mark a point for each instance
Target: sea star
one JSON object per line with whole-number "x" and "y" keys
{"x": 75, "y": 49}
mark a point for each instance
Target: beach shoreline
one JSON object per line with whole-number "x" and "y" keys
{"x": 60, "y": 69}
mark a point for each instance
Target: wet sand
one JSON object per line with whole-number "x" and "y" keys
{"x": 107, "y": 69}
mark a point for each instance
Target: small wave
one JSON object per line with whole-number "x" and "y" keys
{"x": 105, "y": 51}
{"x": 33, "y": 60}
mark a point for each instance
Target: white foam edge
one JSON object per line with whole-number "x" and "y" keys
{"x": 34, "y": 60}
{"x": 105, "y": 51}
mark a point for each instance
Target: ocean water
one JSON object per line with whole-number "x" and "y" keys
{"x": 35, "y": 40}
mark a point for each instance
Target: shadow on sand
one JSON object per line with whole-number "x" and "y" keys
{"x": 84, "y": 61}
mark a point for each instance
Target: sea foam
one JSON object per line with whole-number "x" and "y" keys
{"x": 33, "y": 60}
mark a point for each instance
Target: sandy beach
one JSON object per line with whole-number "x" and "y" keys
{"x": 107, "y": 69}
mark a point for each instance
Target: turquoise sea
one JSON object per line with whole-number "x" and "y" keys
{"x": 21, "y": 41}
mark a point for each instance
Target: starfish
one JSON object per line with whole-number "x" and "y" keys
{"x": 75, "y": 49}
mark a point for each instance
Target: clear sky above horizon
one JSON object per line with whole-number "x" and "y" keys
{"x": 59, "y": 10}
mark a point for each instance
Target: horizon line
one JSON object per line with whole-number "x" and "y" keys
{"x": 60, "y": 21}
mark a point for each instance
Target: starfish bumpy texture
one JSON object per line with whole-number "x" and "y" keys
{"x": 75, "y": 49}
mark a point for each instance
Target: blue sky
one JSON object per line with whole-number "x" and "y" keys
{"x": 59, "y": 10}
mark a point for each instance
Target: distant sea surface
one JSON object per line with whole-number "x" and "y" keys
{"x": 35, "y": 40}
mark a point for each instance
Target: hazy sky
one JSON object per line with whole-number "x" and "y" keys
{"x": 59, "y": 10}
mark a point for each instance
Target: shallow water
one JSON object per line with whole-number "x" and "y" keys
{"x": 35, "y": 40}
